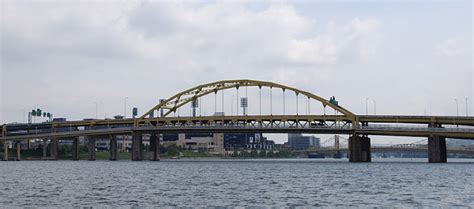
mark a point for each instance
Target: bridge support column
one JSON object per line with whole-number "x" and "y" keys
{"x": 5, "y": 151}
{"x": 45, "y": 148}
{"x": 359, "y": 149}
{"x": 91, "y": 147}
{"x": 437, "y": 149}
{"x": 137, "y": 153}
{"x": 113, "y": 148}
{"x": 54, "y": 149}
{"x": 18, "y": 151}
{"x": 75, "y": 148}
{"x": 155, "y": 147}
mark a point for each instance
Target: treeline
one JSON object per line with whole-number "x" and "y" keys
{"x": 262, "y": 154}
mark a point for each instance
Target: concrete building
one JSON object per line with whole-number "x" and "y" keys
{"x": 124, "y": 142}
{"x": 208, "y": 142}
{"x": 298, "y": 141}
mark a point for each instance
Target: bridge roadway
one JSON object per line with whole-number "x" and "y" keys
{"x": 379, "y": 149}
{"x": 415, "y": 126}
{"x": 264, "y": 124}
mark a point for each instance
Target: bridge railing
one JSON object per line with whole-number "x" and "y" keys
{"x": 307, "y": 125}
{"x": 417, "y": 128}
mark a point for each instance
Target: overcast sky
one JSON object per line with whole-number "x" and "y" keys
{"x": 411, "y": 57}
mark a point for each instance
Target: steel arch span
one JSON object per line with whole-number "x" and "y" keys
{"x": 171, "y": 104}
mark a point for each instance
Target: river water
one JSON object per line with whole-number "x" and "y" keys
{"x": 213, "y": 182}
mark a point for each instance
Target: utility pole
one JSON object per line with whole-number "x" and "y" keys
{"x": 457, "y": 107}
{"x": 367, "y": 106}
{"x": 375, "y": 107}
{"x": 96, "y": 109}
{"x": 467, "y": 109}
{"x": 125, "y": 107}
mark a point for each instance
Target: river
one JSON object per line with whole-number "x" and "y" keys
{"x": 222, "y": 182}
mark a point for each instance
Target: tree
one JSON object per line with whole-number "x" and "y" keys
{"x": 172, "y": 150}
{"x": 262, "y": 154}
{"x": 254, "y": 153}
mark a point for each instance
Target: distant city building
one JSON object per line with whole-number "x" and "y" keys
{"x": 247, "y": 141}
{"x": 212, "y": 143}
{"x": 218, "y": 143}
{"x": 298, "y": 141}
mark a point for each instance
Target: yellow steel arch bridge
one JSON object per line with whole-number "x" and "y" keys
{"x": 347, "y": 121}
{"x": 343, "y": 122}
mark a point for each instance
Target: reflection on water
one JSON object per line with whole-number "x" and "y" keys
{"x": 294, "y": 182}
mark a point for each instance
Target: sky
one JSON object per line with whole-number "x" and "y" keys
{"x": 69, "y": 57}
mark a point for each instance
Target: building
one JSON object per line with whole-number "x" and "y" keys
{"x": 247, "y": 141}
{"x": 217, "y": 143}
{"x": 208, "y": 142}
{"x": 124, "y": 142}
{"x": 298, "y": 141}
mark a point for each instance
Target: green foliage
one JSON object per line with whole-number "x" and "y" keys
{"x": 263, "y": 153}
{"x": 190, "y": 153}
{"x": 171, "y": 151}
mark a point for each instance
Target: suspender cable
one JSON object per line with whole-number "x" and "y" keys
{"x": 271, "y": 101}
{"x": 238, "y": 101}
{"x": 296, "y": 103}
{"x": 260, "y": 99}
{"x": 308, "y": 106}
{"x": 283, "y": 101}
{"x": 246, "y": 98}
{"x": 222, "y": 101}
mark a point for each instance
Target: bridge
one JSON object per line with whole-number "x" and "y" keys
{"x": 334, "y": 147}
{"x": 165, "y": 118}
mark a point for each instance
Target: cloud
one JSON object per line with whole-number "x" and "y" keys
{"x": 216, "y": 34}
{"x": 104, "y": 49}
{"x": 452, "y": 47}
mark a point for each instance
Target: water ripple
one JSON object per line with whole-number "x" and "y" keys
{"x": 236, "y": 183}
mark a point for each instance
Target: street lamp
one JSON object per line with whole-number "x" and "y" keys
{"x": 375, "y": 107}
{"x": 96, "y": 109}
{"x": 467, "y": 110}
{"x": 367, "y": 106}
{"x": 457, "y": 107}
{"x": 125, "y": 107}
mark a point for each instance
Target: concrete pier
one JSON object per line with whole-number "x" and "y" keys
{"x": 137, "y": 153}
{"x": 18, "y": 151}
{"x": 91, "y": 146}
{"x": 155, "y": 147}
{"x": 45, "y": 148}
{"x": 75, "y": 148}
{"x": 5, "y": 151}
{"x": 359, "y": 149}
{"x": 113, "y": 148}
{"x": 54, "y": 148}
{"x": 437, "y": 150}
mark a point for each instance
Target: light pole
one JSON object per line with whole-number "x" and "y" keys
{"x": 457, "y": 107}
{"x": 367, "y": 106}
{"x": 125, "y": 107}
{"x": 375, "y": 107}
{"x": 96, "y": 109}
{"x": 467, "y": 109}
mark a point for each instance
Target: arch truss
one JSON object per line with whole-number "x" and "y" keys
{"x": 170, "y": 105}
